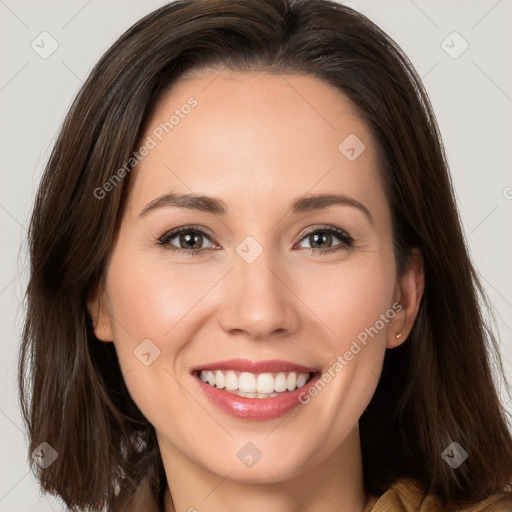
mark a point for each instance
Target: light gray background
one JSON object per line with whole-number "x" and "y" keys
{"x": 471, "y": 95}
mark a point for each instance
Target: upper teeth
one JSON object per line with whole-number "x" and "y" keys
{"x": 246, "y": 382}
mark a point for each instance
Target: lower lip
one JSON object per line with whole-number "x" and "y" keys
{"x": 256, "y": 408}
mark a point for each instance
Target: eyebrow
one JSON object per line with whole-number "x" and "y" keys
{"x": 215, "y": 205}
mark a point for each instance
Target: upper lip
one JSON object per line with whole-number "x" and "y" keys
{"x": 247, "y": 365}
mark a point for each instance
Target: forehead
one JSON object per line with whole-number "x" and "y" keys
{"x": 255, "y": 137}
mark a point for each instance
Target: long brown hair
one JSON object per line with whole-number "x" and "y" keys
{"x": 436, "y": 388}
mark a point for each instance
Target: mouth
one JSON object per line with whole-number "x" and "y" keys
{"x": 255, "y": 390}
{"x": 254, "y": 385}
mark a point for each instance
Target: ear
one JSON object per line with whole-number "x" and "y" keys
{"x": 97, "y": 306}
{"x": 408, "y": 293}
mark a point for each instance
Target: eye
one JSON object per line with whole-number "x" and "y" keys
{"x": 320, "y": 240}
{"x": 188, "y": 239}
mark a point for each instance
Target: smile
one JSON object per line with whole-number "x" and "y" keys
{"x": 254, "y": 385}
{"x": 255, "y": 390}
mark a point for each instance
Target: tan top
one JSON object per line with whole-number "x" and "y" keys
{"x": 406, "y": 496}
{"x": 403, "y": 496}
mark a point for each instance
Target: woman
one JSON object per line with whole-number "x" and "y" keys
{"x": 249, "y": 287}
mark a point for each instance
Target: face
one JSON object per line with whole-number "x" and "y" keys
{"x": 259, "y": 285}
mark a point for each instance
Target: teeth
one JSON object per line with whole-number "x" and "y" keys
{"x": 291, "y": 381}
{"x": 301, "y": 379}
{"x": 254, "y": 385}
{"x": 231, "y": 381}
{"x": 264, "y": 384}
{"x": 247, "y": 383}
{"x": 220, "y": 381}
{"x": 280, "y": 382}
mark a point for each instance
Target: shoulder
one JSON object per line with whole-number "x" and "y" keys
{"x": 406, "y": 495}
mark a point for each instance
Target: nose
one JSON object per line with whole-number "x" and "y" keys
{"x": 259, "y": 299}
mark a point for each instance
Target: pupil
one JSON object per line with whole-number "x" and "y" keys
{"x": 188, "y": 240}
{"x": 318, "y": 236}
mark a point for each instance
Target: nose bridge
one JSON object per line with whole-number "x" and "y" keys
{"x": 258, "y": 301}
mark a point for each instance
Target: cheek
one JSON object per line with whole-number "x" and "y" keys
{"x": 357, "y": 311}
{"x": 355, "y": 308}
{"x": 152, "y": 311}
{"x": 350, "y": 298}
{"x": 151, "y": 300}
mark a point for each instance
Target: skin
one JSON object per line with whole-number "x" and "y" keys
{"x": 257, "y": 141}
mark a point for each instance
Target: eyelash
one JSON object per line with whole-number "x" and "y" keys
{"x": 345, "y": 239}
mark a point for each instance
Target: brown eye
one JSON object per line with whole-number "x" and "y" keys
{"x": 324, "y": 239}
{"x": 185, "y": 239}
{"x": 320, "y": 240}
{"x": 190, "y": 240}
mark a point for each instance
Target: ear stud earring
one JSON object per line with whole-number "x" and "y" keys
{"x": 399, "y": 335}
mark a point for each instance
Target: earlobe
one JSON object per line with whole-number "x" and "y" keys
{"x": 96, "y": 307}
{"x": 396, "y": 334}
{"x": 409, "y": 291}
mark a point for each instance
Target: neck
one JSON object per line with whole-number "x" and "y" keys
{"x": 334, "y": 484}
